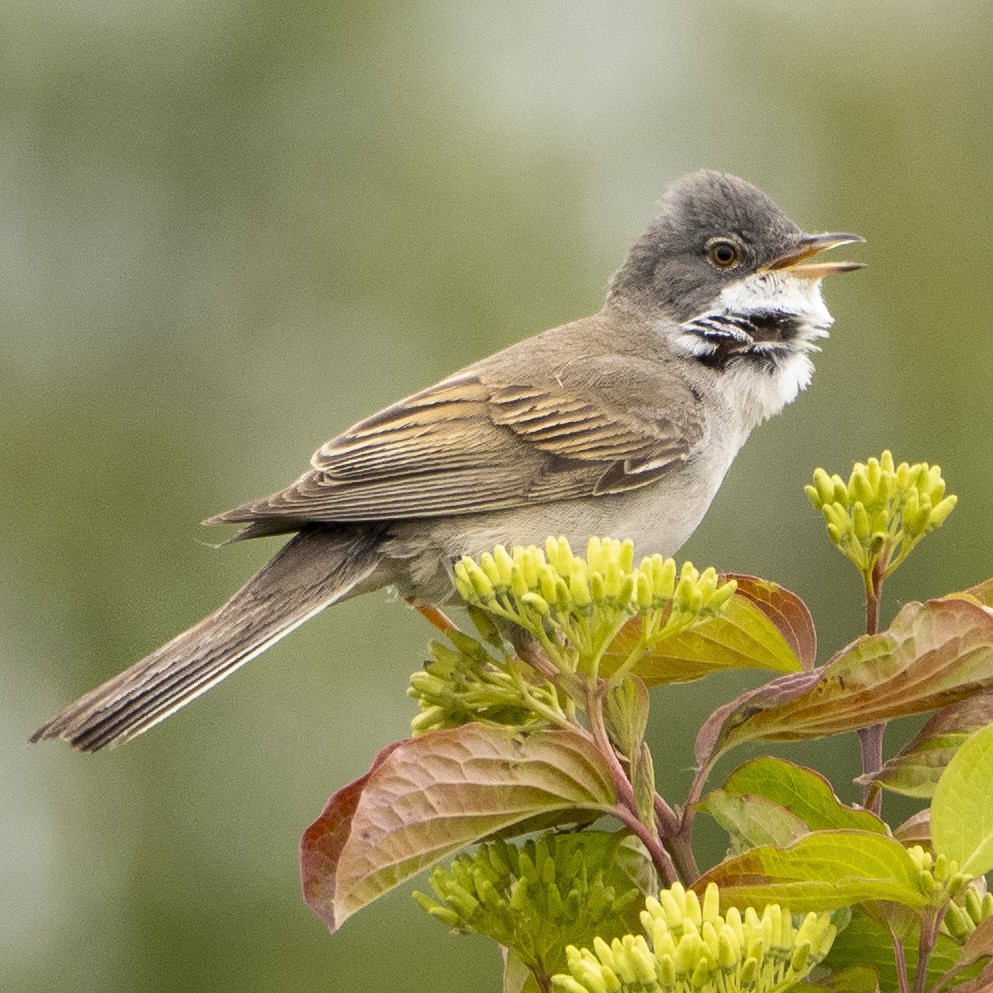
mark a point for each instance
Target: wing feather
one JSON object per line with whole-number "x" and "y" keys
{"x": 471, "y": 446}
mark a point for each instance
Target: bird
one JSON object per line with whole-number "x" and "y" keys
{"x": 620, "y": 424}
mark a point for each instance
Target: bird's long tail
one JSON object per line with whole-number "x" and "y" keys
{"x": 317, "y": 567}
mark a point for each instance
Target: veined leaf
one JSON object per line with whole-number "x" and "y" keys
{"x": 772, "y": 801}
{"x": 917, "y": 767}
{"x": 824, "y": 870}
{"x": 427, "y": 797}
{"x": 915, "y": 830}
{"x": 751, "y": 820}
{"x": 982, "y": 592}
{"x": 763, "y": 626}
{"x": 867, "y": 940}
{"x": 933, "y": 655}
{"x": 854, "y": 979}
{"x": 962, "y": 808}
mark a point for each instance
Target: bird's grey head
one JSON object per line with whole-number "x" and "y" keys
{"x": 728, "y": 266}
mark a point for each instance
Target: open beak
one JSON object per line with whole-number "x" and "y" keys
{"x": 811, "y": 244}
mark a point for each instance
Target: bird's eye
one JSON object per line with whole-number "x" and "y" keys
{"x": 723, "y": 253}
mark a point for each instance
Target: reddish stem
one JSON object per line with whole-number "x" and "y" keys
{"x": 901, "y": 963}
{"x": 627, "y": 808}
{"x": 871, "y": 738}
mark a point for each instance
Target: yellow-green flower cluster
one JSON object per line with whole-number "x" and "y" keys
{"x": 937, "y": 875}
{"x": 535, "y": 898}
{"x": 463, "y": 682}
{"x": 967, "y": 912}
{"x": 969, "y": 904}
{"x": 693, "y": 949}
{"x": 575, "y": 606}
{"x": 883, "y": 510}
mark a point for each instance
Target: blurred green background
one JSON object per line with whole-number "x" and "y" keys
{"x": 228, "y": 230}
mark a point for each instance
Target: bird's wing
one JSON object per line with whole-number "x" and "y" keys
{"x": 470, "y": 446}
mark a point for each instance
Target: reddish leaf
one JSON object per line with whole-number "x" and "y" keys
{"x": 427, "y": 797}
{"x": 786, "y": 610}
{"x": 915, "y": 830}
{"x": 979, "y": 946}
{"x": 933, "y": 655}
{"x": 321, "y": 844}
{"x": 917, "y": 767}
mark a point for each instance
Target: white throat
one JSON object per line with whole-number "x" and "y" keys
{"x": 784, "y": 293}
{"x": 763, "y": 368}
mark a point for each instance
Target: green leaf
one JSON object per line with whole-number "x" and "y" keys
{"x": 763, "y": 626}
{"x": 934, "y": 654}
{"x": 917, "y": 767}
{"x": 751, "y": 821}
{"x": 427, "y": 797}
{"x": 962, "y": 809}
{"x": 854, "y": 979}
{"x": 824, "y": 870}
{"x": 803, "y": 792}
{"x": 867, "y": 940}
{"x": 769, "y": 801}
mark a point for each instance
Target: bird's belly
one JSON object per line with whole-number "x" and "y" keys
{"x": 658, "y": 518}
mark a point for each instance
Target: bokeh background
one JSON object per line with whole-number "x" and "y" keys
{"x": 228, "y": 230}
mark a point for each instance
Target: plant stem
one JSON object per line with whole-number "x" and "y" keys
{"x": 649, "y": 838}
{"x": 929, "y": 934}
{"x": 681, "y": 842}
{"x": 873, "y": 595}
{"x": 627, "y": 808}
{"x": 901, "y": 963}
{"x": 871, "y": 738}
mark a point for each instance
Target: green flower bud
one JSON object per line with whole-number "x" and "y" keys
{"x": 626, "y": 966}
{"x": 672, "y": 903}
{"x": 691, "y": 903}
{"x": 689, "y": 948}
{"x": 958, "y": 923}
{"x": 749, "y": 972}
{"x": 733, "y": 920}
{"x": 504, "y": 564}
{"x": 604, "y": 953}
{"x": 665, "y": 968}
{"x": 973, "y": 905}
{"x": 801, "y": 953}
{"x": 941, "y": 510}
{"x": 437, "y": 910}
{"x": 728, "y": 948}
{"x": 536, "y": 602}
{"x": 861, "y": 525}
{"x": 579, "y": 590}
{"x": 642, "y": 960}
{"x": 701, "y": 973}
{"x": 709, "y": 935}
{"x": 566, "y": 984}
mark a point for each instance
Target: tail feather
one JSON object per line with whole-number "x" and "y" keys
{"x": 316, "y": 568}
